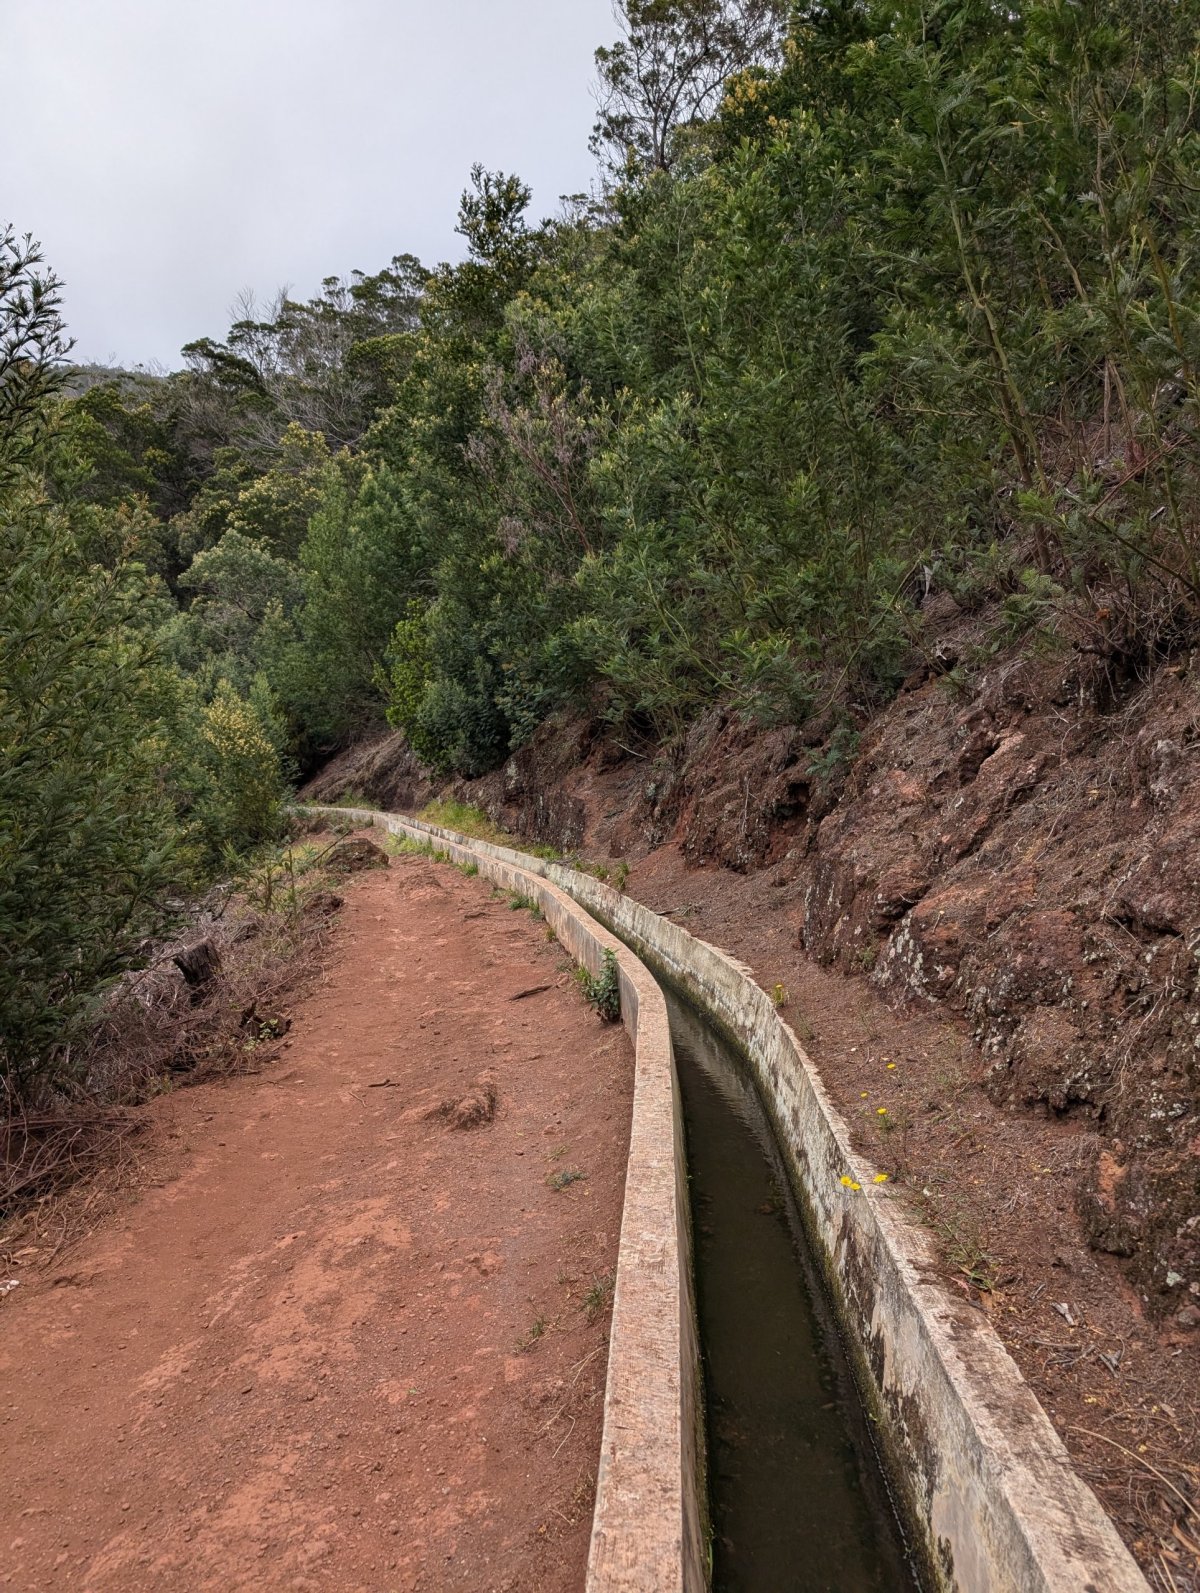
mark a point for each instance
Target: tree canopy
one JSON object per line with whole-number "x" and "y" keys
{"x": 876, "y": 298}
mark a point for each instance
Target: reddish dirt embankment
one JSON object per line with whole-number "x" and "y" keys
{"x": 983, "y": 913}
{"x": 339, "y": 1341}
{"x": 985, "y": 925}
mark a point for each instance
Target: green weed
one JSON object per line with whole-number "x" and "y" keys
{"x": 535, "y": 1333}
{"x": 602, "y": 991}
{"x": 967, "y": 1252}
{"x": 597, "y": 1296}
{"x": 409, "y": 846}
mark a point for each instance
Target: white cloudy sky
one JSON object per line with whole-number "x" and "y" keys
{"x": 170, "y": 153}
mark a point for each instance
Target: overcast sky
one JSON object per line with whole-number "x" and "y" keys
{"x": 169, "y": 153}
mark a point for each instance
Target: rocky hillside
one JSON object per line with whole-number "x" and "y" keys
{"x": 1016, "y": 845}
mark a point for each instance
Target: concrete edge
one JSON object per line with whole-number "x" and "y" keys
{"x": 984, "y": 1478}
{"x": 649, "y": 1523}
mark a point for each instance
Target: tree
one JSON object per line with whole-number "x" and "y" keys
{"x": 669, "y": 69}
{"x": 33, "y": 345}
{"x": 326, "y": 364}
{"x": 236, "y": 584}
{"x": 87, "y": 830}
{"x": 467, "y": 301}
{"x": 361, "y": 564}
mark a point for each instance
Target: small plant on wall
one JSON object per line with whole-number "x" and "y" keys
{"x": 602, "y": 991}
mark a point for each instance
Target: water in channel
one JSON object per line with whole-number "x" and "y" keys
{"x": 797, "y": 1499}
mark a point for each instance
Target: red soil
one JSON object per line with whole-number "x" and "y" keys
{"x": 339, "y": 1342}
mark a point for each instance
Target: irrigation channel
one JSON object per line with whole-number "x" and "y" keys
{"x": 797, "y": 1498}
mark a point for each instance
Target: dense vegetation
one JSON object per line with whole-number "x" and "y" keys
{"x": 877, "y": 297}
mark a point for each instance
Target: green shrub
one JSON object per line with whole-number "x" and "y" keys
{"x": 88, "y": 833}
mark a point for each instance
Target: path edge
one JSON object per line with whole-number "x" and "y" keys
{"x": 649, "y": 1526}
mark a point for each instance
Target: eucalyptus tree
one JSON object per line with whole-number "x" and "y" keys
{"x": 668, "y": 71}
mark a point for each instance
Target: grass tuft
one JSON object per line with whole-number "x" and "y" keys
{"x": 565, "y": 1178}
{"x": 597, "y": 1296}
{"x": 467, "y": 820}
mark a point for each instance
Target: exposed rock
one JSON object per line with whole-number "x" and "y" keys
{"x": 1024, "y": 850}
{"x": 900, "y": 888}
{"x": 386, "y": 772}
{"x": 981, "y": 742}
{"x": 527, "y": 797}
{"x": 1048, "y": 1061}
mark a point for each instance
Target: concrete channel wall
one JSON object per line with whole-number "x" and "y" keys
{"x": 983, "y": 1479}
{"x": 649, "y": 1525}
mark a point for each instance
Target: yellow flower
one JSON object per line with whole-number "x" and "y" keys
{"x": 864, "y": 1095}
{"x": 849, "y": 1182}
{"x": 882, "y": 1111}
{"x": 891, "y": 1065}
{"x": 880, "y": 1178}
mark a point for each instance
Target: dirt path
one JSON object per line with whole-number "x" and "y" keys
{"x": 338, "y": 1343}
